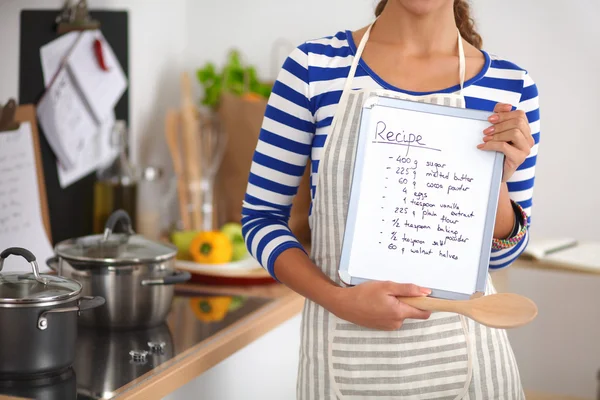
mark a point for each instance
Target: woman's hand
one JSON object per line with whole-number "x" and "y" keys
{"x": 509, "y": 134}
{"x": 375, "y": 305}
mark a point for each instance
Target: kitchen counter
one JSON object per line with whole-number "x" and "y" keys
{"x": 104, "y": 368}
{"x": 555, "y": 266}
{"x": 501, "y": 277}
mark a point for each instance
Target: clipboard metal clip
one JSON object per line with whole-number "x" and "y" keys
{"x": 75, "y": 17}
{"x": 7, "y": 116}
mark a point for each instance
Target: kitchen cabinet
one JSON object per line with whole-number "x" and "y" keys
{"x": 265, "y": 369}
{"x": 197, "y": 350}
{"x": 558, "y": 353}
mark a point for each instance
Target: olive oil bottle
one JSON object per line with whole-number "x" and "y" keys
{"x": 117, "y": 185}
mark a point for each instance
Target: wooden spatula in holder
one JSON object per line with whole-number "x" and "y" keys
{"x": 502, "y": 310}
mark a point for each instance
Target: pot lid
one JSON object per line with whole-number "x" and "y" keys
{"x": 32, "y": 288}
{"x": 115, "y": 248}
{"x": 119, "y": 249}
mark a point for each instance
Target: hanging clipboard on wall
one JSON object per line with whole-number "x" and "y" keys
{"x": 24, "y": 218}
{"x": 423, "y": 198}
{"x": 70, "y": 208}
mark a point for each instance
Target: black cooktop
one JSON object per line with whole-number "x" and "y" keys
{"x": 108, "y": 360}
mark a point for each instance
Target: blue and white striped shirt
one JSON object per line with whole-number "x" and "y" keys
{"x": 298, "y": 117}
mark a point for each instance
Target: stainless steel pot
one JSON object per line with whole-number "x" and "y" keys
{"x": 38, "y": 315}
{"x": 135, "y": 275}
{"x": 108, "y": 360}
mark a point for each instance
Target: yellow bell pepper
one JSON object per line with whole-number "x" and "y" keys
{"x": 210, "y": 309}
{"x": 211, "y": 248}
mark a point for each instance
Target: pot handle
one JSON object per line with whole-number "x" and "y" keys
{"x": 26, "y": 254}
{"x": 86, "y": 303}
{"x": 177, "y": 277}
{"x": 111, "y": 222}
{"x": 52, "y": 263}
{"x": 89, "y": 302}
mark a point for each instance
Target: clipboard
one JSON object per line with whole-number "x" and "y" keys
{"x": 359, "y": 243}
{"x": 11, "y": 117}
{"x": 70, "y": 208}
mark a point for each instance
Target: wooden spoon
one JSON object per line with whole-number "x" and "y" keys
{"x": 502, "y": 310}
{"x": 172, "y": 123}
{"x": 190, "y": 133}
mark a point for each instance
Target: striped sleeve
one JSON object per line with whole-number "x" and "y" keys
{"x": 520, "y": 185}
{"x": 278, "y": 163}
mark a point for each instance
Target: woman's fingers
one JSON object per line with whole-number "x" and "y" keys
{"x": 510, "y": 120}
{"x": 513, "y": 154}
{"x": 405, "y": 289}
{"x": 512, "y": 136}
{"x": 409, "y": 312}
{"x": 502, "y": 107}
{"x": 512, "y": 123}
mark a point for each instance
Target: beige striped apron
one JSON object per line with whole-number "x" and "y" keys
{"x": 445, "y": 357}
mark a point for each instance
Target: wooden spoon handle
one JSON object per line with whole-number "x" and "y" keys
{"x": 501, "y": 310}
{"x": 172, "y": 136}
{"x": 433, "y": 304}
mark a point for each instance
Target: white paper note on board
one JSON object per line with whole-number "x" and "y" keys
{"x": 101, "y": 89}
{"x": 423, "y": 198}
{"x": 65, "y": 119}
{"x": 54, "y": 53}
{"x": 98, "y": 150}
{"x": 21, "y": 223}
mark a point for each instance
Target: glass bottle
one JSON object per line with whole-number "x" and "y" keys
{"x": 117, "y": 185}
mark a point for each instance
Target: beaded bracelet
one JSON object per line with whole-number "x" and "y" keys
{"x": 499, "y": 244}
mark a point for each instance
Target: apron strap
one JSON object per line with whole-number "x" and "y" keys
{"x": 359, "y": 51}
{"x": 462, "y": 64}
{"x": 351, "y": 73}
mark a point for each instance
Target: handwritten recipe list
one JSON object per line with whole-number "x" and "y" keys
{"x": 20, "y": 216}
{"x": 422, "y": 205}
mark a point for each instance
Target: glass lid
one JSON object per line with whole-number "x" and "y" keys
{"x": 132, "y": 249}
{"x": 115, "y": 248}
{"x": 31, "y": 288}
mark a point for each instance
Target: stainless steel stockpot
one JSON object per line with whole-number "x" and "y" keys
{"x": 135, "y": 275}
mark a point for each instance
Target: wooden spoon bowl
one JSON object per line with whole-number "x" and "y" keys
{"x": 501, "y": 310}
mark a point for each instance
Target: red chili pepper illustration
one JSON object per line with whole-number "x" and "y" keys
{"x": 100, "y": 54}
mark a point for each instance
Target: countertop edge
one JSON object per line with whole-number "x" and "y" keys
{"x": 209, "y": 353}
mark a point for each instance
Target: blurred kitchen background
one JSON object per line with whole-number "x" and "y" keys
{"x": 557, "y": 42}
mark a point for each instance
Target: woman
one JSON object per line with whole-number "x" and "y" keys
{"x": 361, "y": 342}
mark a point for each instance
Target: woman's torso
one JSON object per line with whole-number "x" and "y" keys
{"x": 444, "y": 357}
{"x": 329, "y": 61}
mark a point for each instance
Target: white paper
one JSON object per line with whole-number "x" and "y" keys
{"x": 101, "y": 89}
{"x": 53, "y": 54}
{"x": 65, "y": 119}
{"x": 21, "y": 223}
{"x": 540, "y": 248}
{"x": 422, "y": 208}
{"x": 583, "y": 256}
{"x": 97, "y": 151}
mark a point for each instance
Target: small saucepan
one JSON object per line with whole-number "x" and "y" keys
{"x": 38, "y": 315}
{"x": 135, "y": 275}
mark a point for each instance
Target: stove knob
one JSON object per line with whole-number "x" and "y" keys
{"x": 157, "y": 347}
{"x": 138, "y": 356}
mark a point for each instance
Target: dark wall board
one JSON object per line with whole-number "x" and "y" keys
{"x": 71, "y": 208}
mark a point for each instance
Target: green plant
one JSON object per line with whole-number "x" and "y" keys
{"x": 235, "y": 77}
